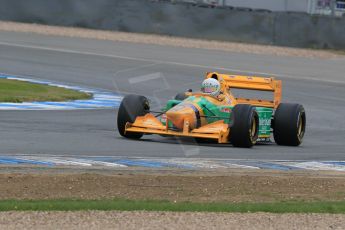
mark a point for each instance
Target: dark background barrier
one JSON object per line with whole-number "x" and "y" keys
{"x": 279, "y": 28}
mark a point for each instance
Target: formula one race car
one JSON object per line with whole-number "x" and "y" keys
{"x": 216, "y": 114}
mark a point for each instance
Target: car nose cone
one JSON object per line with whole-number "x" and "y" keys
{"x": 181, "y": 113}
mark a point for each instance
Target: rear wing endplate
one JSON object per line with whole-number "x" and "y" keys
{"x": 252, "y": 83}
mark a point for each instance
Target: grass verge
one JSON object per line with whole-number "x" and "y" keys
{"x": 130, "y": 205}
{"x": 19, "y": 91}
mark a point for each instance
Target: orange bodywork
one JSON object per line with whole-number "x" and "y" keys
{"x": 181, "y": 116}
{"x": 149, "y": 124}
{"x": 229, "y": 82}
{"x": 184, "y": 118}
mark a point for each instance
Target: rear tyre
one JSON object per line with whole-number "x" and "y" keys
{"x": 244, "y": 130}
{"x": 289, "y": 124}
{"x": 131, "y": 107}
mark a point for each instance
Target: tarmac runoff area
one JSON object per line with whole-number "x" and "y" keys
{"x": 312, "y": 78}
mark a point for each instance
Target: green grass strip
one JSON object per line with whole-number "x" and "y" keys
{"x": 19, "y": 91}
{"x": 128, "y": 205}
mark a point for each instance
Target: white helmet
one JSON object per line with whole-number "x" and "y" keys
{"x": 211, "y": 86}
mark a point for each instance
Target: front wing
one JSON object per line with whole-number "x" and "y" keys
{"x": 149, "y": 124}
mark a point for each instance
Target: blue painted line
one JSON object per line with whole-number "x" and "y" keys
{"x": 269, "y": 165}
{"x": 174, "y": 165}
{"x": 22, "y": 161}
{"x": 82, "y": 104}
{"x": 279, "y": 167}
{"x": 162, "y": 163}
{"x": 140, "y": 163}
{"x": 63, "y": 104}
{"x": 85, "y": 104}
{"x": 15, "y": 105}
{"x": 340, "y": 163}
{"x": 101, "y": 101}
{"x": 6, "y": 162}
{"x": 40, "y": 82}
{"x": 98, "y": 103}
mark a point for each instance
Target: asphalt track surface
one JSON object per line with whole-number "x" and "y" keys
{"x": 160, "y": 72}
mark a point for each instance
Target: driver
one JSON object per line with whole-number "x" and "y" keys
{"x": 211, "y": 87}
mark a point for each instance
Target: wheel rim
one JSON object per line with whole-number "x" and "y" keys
{"x": 300, "y": 129}
{"x": 253, "y": 130}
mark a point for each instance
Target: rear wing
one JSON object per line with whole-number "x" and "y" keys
{"x": 252, "y": 83}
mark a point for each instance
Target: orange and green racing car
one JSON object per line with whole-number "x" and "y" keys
{"x": 216, "y": 114}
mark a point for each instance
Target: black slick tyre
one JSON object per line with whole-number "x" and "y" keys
{"x": 289, "y": 124}
{"x": 244, "y": 129}
{"x": 181, "y": 96}
{"x": 131, "y": 107}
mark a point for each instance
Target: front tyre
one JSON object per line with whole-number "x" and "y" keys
{"x": 131, "y": 107}
{"x": 289, "y": 124}
{"x": 244, "y": 130}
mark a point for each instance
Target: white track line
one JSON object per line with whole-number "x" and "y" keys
{"x": 249, "y": 72}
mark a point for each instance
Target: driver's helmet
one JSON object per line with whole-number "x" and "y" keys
{"x": 211, "y": 86}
